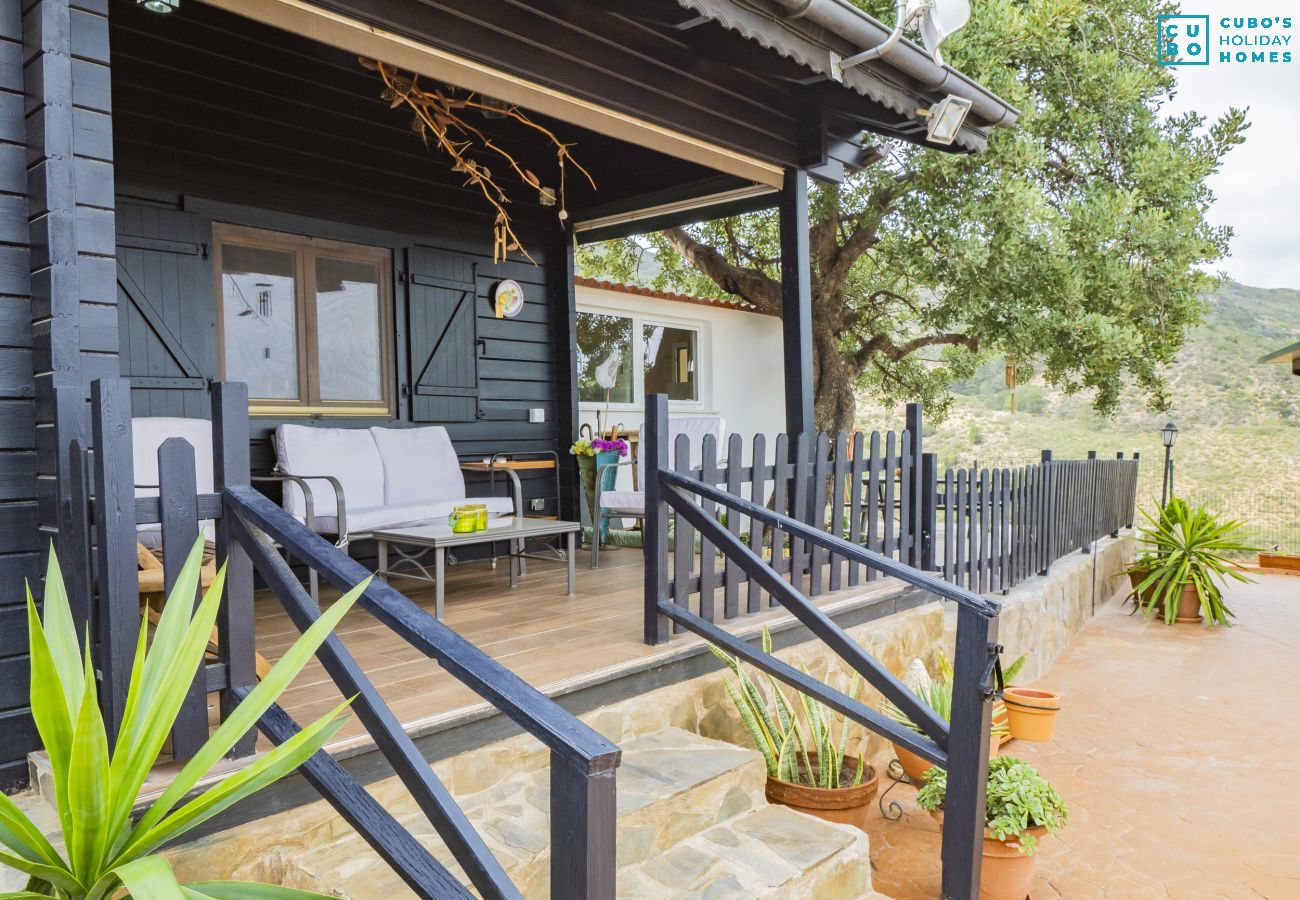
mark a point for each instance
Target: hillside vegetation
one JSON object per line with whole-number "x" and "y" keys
{"x": 1238, "y": 447}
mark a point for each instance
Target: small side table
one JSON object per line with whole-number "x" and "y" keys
{"x": 514, "y": 463}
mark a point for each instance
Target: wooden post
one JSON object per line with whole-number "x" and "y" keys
{"x": 564, "y": 337}
{"x": 915, "y": 424}
{"x": 968, "y": 754}
{"x": 583, "y": 817}
{"x": 119, "y": 583}
{"x": 654, "y": 448}
{"x": 796, "y": 305}
{"x": 1048, "y": 528}
{"x": 179, "y": 516}
{"x": 235, "y": 635}
{"x": 74, "y": 539}
{"x": 1093, "y": 478}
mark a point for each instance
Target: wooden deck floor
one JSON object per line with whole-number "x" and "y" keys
{"x": 552, "y": 641}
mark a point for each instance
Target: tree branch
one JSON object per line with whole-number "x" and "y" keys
{"x": 749, "y": 284}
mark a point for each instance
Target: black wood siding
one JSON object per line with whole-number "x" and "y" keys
{"x": 18, "y": 557}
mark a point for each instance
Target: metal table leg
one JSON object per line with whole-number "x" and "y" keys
{"x": 383, "y": 560}
{"x": 516, "y": 561}
{"x": 570, "y": 542}
{"x": 439, "y": 574}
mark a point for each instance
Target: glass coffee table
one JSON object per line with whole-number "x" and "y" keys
{"x": 410, "y": 544}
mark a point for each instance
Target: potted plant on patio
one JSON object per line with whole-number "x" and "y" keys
{"x": 592, "y": 455}
{"x": 1183, "y": 565}
{"x": 1020, "y": 807}
{"x": 809, "y": 766}
{"x": 107, "y": 853}
{"x": 936, "y": 693}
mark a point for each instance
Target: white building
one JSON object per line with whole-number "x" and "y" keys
{"x": 712, "y": 357}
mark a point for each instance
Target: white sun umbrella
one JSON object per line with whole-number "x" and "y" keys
{"x": 607, "y": 377}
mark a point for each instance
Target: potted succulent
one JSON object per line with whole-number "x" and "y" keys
{"x": 809, "y": 766}
{"x": 1020, "y": 807}
{"x": 1183, "y": 565}
{"x": 936, "y": 693}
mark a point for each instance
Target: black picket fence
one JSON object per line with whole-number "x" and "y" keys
{"x": 985, "y": 529}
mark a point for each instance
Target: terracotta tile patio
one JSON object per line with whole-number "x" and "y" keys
{"x": 1178, "y": 752}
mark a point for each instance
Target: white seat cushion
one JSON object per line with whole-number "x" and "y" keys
{"x": 148, "y": 434}
{"x": 420, "y": 464}
{"x": 349, "y": 454}
{"x": 623, "y": 500}
{"x": 371, "y": 518}
{"x": 695, "y": 428}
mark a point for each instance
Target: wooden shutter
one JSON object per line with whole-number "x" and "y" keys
{"x": 442, "y": 312}
{"x": 166, "y": 309}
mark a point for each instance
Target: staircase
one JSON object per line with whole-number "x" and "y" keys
{"x": 692, "y": 821}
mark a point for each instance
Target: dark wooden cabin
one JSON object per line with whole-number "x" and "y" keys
{"x": 136, "y": 148}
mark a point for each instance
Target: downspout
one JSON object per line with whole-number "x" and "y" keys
{"x": 861, "y": 30}
{"x": 876, "y": 52}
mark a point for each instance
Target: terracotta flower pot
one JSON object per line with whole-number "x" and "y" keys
{"x": 1189, "y": 606}
{"x": 845, "y": 805}
{"x": 915, "y": 767}
{"x": 1031, "y": 712}
{"x": 1005, "y": 873}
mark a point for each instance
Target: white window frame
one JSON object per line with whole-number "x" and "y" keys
{"x": 703, "y": 351}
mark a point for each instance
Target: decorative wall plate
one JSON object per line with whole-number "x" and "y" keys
{"x": 509, "y": 298}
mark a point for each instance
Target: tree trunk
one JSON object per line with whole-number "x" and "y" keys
{"x": 834, "y": 403}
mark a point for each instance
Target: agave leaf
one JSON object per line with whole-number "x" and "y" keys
{"x": 244, "y": 717}
{"x": 50, "y": 709}
{"x": 89, "y": 795}
{"x": 61, "y": 636}
{"x": 58, "y": 876}
{"x": 267, "y": 769}
{"x": 1010, "y": 672}
{"x": 156, "y": 712}
{"x": 18, "y": 834}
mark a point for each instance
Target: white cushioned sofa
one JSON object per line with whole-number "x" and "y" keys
{"x": 148, "y": 434}
{"x": 349, "y": 482}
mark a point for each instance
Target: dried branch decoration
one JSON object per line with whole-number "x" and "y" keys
{"x": 437, "y": 117}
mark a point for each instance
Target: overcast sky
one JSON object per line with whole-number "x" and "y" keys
{"x": 1259, "y": 187}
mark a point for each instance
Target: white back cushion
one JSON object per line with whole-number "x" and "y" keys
{"x": 695, "y": 428}
{"x": 148, "y": 434}
{"x": 349, "y": 454}
{"x": 420, "y": 464}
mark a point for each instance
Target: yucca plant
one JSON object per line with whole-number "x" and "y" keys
{"x": 807, "y": 752}
{"x": 1187, "y": 545}
{"x": 936, "y": 693}
{"x": 106, "y": 854}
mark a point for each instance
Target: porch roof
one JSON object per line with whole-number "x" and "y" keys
{"x": 817, "y": 34}
{"x": 1288, "y": 354}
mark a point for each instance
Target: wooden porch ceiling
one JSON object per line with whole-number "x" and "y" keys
{"x": 188, "y": 85}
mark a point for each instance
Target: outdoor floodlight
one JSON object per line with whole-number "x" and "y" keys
{"x": 159, "y": 6}
{"x": 946, "y": 118}
{"x": 1169, "y": 434}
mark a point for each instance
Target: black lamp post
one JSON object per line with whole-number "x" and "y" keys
{"x": 1168, "y": 435}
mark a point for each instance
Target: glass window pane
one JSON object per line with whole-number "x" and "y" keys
{"x": 260, "y": 320}
{"x": 347, "y": 330}
{"x": 670, "y": 362}
{"x": 604, "y": 358}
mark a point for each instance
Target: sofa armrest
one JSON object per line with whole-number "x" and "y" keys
{"x": 340, "y": 503}
{"x": 516, "y": 487}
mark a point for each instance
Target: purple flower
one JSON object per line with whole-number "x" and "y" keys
{"x": 602, "y": 444}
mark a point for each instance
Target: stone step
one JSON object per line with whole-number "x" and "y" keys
{"x": 771, "y": 851}
{"x": 672, "y": 786}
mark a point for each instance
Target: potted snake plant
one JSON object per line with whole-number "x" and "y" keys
{"x": 1184, "y": 565}
{"x": 1020, "y": 808}
{"x": 815, "y": 758}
